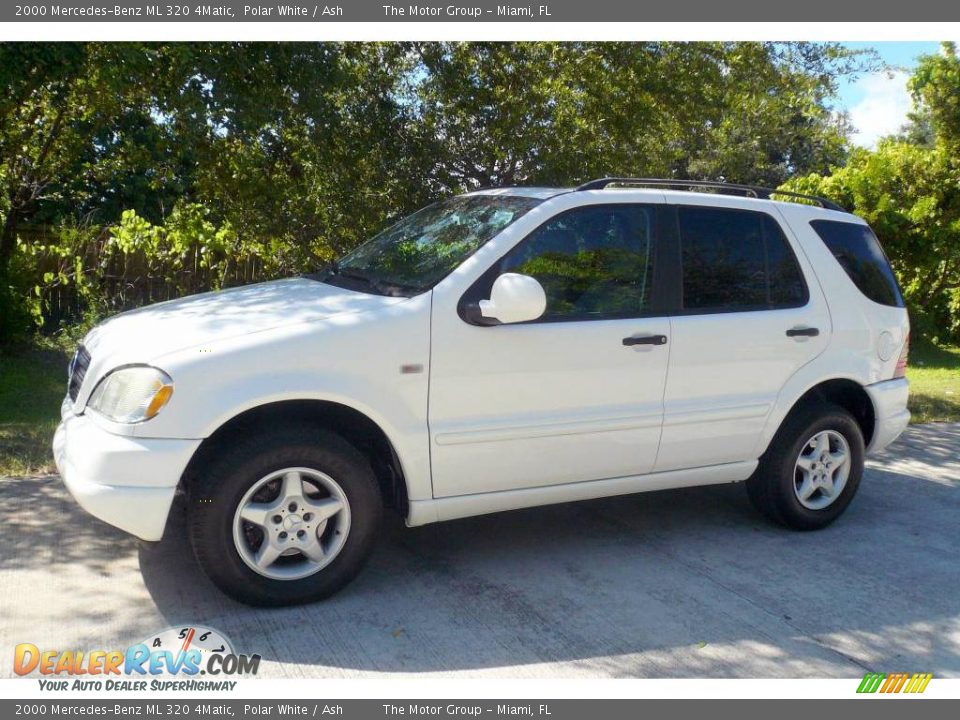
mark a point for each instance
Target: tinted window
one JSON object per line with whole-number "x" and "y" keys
{"x": 858, "y": 251}
{"x": 736, "y": 260}
{"x": 593, "y": 262}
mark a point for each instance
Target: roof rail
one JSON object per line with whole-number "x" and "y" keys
{"x": 754, "y": 191}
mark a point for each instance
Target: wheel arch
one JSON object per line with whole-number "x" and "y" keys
{"x": 354, "y": 426}
{"x": 843, "y": 391}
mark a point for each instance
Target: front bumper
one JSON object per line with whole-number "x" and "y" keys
{"x": 891, "y": 416}
{"x": 125, "y": 481}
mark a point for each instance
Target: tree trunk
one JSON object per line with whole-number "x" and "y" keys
{"x": 8, "y": 239}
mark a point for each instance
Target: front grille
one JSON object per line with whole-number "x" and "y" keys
{"x": 78, "y": 369}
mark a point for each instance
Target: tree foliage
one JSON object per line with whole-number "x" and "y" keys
{"x": 558, "y": 113}
{"x": 908, "y": 189}
{"x": 295, "y": 152}
{"x": 936, "y": 89}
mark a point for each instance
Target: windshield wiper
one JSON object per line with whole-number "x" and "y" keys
{"x": 325, "y": 271}
{"x": 381, "y": 286}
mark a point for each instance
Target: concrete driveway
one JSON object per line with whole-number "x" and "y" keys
{"x": 668, "y": 584}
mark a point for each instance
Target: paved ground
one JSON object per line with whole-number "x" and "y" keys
{"x": 669, "y": 584}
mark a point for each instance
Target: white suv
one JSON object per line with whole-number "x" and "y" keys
{"x": 497, "y": 350}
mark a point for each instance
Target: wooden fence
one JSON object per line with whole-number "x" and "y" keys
{"x": 122, "y": 281}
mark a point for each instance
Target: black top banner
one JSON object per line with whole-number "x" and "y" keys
{"x": 473, "y": 11}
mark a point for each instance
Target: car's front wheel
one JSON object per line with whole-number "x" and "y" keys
{"x": 812, "y": 469}
{"x": 284, "y": 518}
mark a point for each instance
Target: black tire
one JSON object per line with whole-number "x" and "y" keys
{"x": 220, "y": 485}
{"x": 771, "y": 487}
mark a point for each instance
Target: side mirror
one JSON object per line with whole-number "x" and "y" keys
{"x": 514, "y": 298}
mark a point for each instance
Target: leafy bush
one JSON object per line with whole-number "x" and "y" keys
{"x": 910, "y": 195}
{"x": 908, "y": 189}
{"x": 20, "y": 305}
{"x": 81, "y": 273}
{"x": 16, "y": 318}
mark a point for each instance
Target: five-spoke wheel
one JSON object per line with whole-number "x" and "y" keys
{"x": 291, "y": 523}
{"x": 289, "y": 515}
{"x": 822, "y": 470}
{"x": 812, "y": 468}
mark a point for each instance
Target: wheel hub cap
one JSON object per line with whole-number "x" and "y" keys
{"x": 291, "y": 523}
{"x": 822, "y": 469}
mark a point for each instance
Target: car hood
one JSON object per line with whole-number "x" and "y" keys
{"x": 146, "y": 333}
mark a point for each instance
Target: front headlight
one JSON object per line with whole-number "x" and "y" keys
{"x": 131, "y": 394}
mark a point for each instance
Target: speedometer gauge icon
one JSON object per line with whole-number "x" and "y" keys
{"x": 191, "y": 637}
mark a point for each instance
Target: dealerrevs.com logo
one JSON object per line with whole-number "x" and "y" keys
{"x": 170, "y": 660}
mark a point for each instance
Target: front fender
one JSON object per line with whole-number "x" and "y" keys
{"x": 361, "y": 362}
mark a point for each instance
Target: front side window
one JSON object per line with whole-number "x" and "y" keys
{"x": 593, "y": 262}
{"x": 422, "y": 249}
{"x": 858, "y": 251}
{"x": 736, "y": 260}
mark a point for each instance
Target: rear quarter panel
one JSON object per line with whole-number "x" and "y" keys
{"x": 857, "y": 322}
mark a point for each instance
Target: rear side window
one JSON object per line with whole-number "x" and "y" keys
{"x": 858, "y": 251}
{"x": 736, "y": 260}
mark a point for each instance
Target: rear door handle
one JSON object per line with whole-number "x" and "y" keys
{"x": 803, "y": 332}
{"x": 645, "y": 340}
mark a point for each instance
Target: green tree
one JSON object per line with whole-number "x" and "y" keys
{"x": 317, "y": 144}
{"x": 302, "y": 150}
{"x": 935, "y": 85}
{"x": 272, "y": 136}
{"x": 503, "y": 113}
{"x": 908, "y": 189}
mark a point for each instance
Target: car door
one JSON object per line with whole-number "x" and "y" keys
{"x": 575, "y": 395}
{"x": 751, "y": 313}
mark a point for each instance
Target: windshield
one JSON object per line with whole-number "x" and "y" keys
{"x": 422, "y": 249}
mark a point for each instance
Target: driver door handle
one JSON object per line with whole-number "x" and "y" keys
{"x": 645, "y": 340}
{"x": 803, "y": 332}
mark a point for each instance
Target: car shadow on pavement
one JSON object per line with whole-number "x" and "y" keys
{"x": 681, "y": 583}
{"x": 675, "y": 583}
{"x": 65, "y": 576}
{"x": 42, "y": 526}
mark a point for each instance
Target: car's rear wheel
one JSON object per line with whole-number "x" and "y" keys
{"x": 284, "y": 518}
{"x": 812, "y": 469}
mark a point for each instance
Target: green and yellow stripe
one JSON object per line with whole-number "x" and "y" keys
{"x": 894, "y": 683}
